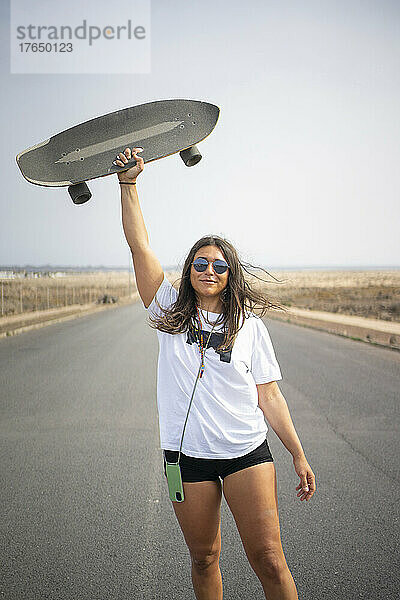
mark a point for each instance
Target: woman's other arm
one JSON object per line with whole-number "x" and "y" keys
{"x": 276, "y": 411}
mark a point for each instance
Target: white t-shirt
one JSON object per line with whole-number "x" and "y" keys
{"x": 225, "y": 420}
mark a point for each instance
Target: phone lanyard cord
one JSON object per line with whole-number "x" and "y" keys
{"x": 187, "y": 414}
{"x": 199, "y": 375}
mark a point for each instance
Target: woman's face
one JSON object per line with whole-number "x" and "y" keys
{"x": 208, "y": 284}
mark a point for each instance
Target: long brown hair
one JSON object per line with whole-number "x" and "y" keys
{"x": 238, "y": 297}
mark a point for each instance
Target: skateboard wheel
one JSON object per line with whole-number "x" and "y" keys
{"x": 79, "y": 193}
{"x": 191, "y": 156}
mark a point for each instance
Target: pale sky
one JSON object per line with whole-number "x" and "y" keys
{"x": 301, "y": 170}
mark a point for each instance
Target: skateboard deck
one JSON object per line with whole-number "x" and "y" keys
{"x": 87, "y": 151}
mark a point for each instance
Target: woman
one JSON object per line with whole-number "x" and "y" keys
{"x": 216, "y": 431}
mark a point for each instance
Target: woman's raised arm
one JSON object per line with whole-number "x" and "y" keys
{"x": 148, "y": 271}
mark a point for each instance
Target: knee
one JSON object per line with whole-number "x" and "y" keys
{"x": 269, "y": 563}
{"x": 203, "y": 561}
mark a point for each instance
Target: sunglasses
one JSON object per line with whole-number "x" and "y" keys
{"x": 201, "y": 264}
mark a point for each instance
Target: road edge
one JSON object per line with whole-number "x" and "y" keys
{"x": 363, "y": 333}
{"x": 57, "y": 316}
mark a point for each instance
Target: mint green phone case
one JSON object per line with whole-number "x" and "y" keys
{"x": 174, "y": 478}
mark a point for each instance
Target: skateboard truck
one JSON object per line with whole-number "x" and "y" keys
{"x": 79, "y": 193}
{"x": 191, "y": 156}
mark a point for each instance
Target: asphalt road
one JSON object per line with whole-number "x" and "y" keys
{"x": 85, "y": 512}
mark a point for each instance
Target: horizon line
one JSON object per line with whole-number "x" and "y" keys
{"x": 49, "y": 266}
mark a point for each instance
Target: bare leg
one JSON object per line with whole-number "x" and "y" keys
{"x": 199, "y": 517}
{"x": 252, "y": 499}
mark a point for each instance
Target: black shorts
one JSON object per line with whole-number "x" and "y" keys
{"x": 206, "y": 469}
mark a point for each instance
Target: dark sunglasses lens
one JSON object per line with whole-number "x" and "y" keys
{"x": 200, "y": 264}
{"x": 220, "y": 266}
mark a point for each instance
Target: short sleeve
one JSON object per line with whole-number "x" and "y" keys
{"x": 166, "y": 295}
{"x": 264, "y": 366}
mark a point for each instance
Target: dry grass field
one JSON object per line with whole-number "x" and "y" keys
{"x": 26, "y": 295}
{"x": 371, "y": 294}
{"x": 374, "y": 294}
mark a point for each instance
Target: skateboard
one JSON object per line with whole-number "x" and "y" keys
{"x": 87, "y": 151}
